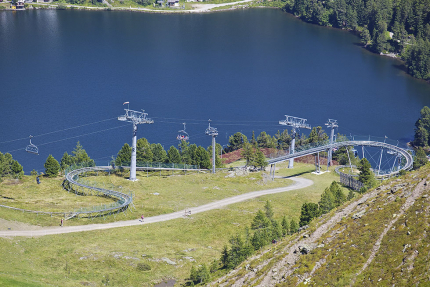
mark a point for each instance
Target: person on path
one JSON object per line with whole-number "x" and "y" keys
{"x": 61, "y": 222}
{"x": 142, "y": 218}
{"x": 37, "y": 180}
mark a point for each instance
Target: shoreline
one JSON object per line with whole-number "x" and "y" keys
{"x": 201, "y": 9}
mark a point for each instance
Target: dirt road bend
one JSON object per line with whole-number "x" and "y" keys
{"x": 299, "y": 183}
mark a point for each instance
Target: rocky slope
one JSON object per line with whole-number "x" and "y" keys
{"x": 378, "y": 239}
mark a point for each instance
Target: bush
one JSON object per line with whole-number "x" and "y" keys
{"x": 362, "y": 189}
{"x": 143, "y": 267}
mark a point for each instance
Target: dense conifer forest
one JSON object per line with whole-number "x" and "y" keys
{"x": 385, "y": 26}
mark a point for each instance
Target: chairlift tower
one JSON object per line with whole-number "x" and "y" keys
{"x": 332, "y": 124}
{"x": 295, "y": 123}
{"x": 135, "y": 118}
{"x": 213, "y": 132}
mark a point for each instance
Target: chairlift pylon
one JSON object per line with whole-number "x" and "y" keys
{"x": 182, "y": 135}
{"x": 31, "y": 148}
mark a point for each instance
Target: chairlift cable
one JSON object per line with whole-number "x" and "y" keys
{"x": 81, "y": 135}
{"x": 197, "y": 120}
{"x": 57, "y": 131}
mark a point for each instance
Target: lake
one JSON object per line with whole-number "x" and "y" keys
{"x": 66, "y": 74}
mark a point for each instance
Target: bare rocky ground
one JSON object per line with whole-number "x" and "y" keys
{"x": 281, "y": 264}
{"x": 15, "y": 225}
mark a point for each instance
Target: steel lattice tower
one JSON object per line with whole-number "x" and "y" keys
{"x": 211, "y": 131}
{"x": 295, "y": 123}
{"x": 135, "y": 118}
{"x": 331, "y": 124}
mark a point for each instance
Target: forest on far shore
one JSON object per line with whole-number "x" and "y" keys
{"x": 385, "y": 26}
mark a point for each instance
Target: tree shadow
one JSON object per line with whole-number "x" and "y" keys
{"x": 294, "y": 175}
{"x": 401, "y": 67}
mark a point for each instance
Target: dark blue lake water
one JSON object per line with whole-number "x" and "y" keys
{"x": 244, "y": 70}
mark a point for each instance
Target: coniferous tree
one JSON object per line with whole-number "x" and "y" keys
{"x": 193, "y": 274}
{"x": 80, "y": 156}
{"x": 284, "y": 140}
{"x": 173, "y": 155}
{"x": 52, "y": 167}
{"x": 422, "y": 128}
{"x": 158, "y": 153}
{"x": 276, "y": 230}
{"x": 224, "y": 256}
{"x": 285, "y": 226}
{"x": 192, "y": 153}
{"x": 293, "y": 226}
{"x": 238, "y": 252}
{"x": 236, "y": 141}
{"x": 308, "y": 212}
{"x": 247, "y": 153}
{"x": 16, "y": 169}
{"x": 264, "y": 140}
{"x": 143, "y": 151}
{"x": 365, "y": 37}
{"x": 5, "y": 164}
{"x": 66, "y": 161}
{"x": 203, "y": 274}
{"x": 202, "y": 158}
{"x": 366, "y": 176}
{"x": 326, "y": 202}
{"x": 259, "y": 160}
{"x": 268, "y": 210}
{"x": 336, "y": 190}
{"x": 214, "y": 266}
{"x": 253, "y": 141}
{"x": 420, "y": 158}
{"x": 124, "y": 156}
{"x": 350, "y": 195}
{"x": 260, "y": 221}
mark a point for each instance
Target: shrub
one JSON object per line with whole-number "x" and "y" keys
{"x": 143, "y": 267}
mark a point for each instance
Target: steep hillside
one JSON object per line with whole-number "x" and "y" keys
{"x": 378, "y": 239}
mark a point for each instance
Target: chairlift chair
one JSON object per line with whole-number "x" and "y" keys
{"x": 31, "y": 148}
{"x": 182, "y": 135}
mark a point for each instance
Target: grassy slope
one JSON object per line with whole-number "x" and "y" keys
{"x": 174, "y": 193}
{"x": 70, "y": 259}
{"x": 402, "y": 259}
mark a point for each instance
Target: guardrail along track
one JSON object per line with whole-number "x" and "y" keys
{"x": 400, "y": 151}
{"x": 74, "y": 183}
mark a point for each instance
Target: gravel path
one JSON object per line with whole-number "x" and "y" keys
{"x": 299, "y": 183}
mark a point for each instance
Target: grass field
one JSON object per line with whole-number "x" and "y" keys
{"x": 153, "y": 194}
{"x": 115, "y": 256}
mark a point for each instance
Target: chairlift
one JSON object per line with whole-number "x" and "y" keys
{"x": 355, "y": 152}
{"x": 182, "y": 135}
{"x": 31, "y": 148}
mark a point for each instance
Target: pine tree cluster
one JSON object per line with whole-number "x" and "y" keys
{"x": 386, "y": 26}
{"x": 186, "y": 154}
{"x": 9, "y": 168}
{"x": 331, "y": 198}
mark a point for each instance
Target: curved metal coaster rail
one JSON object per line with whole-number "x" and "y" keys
{"x": 78, "y": 185}
{"x": 324, "y": 147}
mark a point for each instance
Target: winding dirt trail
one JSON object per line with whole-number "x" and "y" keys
{"x": 299, "y": 183}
